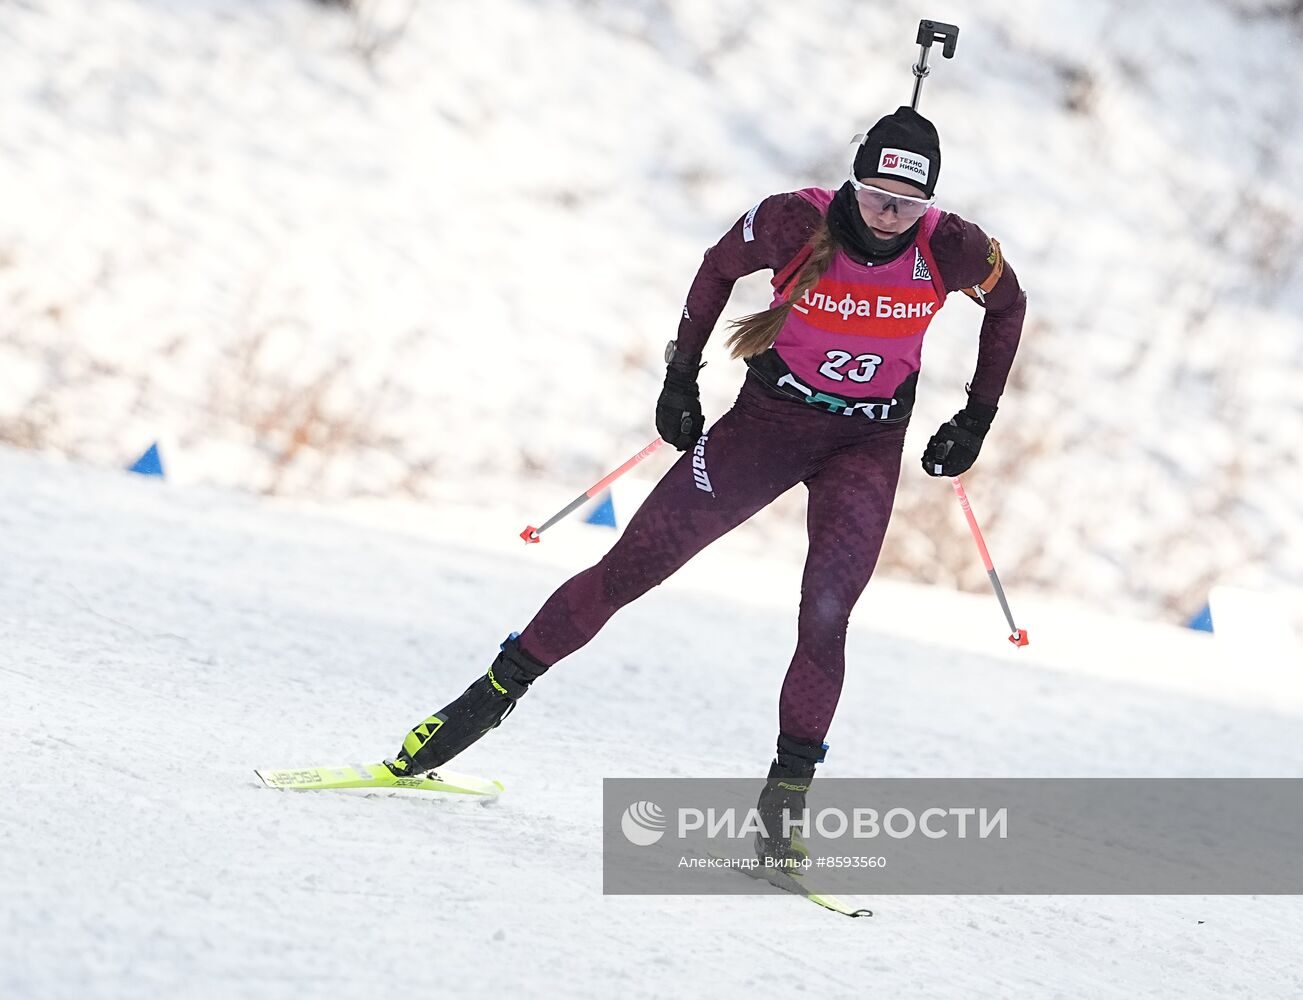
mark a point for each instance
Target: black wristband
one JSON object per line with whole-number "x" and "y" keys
{"x": 678, "y": 361}
{"x": 976, "y": 417}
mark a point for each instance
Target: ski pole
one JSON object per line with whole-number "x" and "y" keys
{"x": 530, "y": 534}
{"x": 929, "y": 32}
{"x": 1019, "y": 636}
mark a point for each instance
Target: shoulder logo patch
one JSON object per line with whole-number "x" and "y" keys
{"x": 749, "y": 224}
{"x": 921, "y": 272}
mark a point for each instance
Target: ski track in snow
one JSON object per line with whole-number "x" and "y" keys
{"x": 161, "y": 642}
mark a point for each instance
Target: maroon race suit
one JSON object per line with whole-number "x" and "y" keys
{"x": 778, "y": 435}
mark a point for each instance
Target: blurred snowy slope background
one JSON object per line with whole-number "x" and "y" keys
{"x": 436, "y": 249}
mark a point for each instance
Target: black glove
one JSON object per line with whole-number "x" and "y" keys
{"x": 953, "y": 448}
{"x": 678, "y": 411}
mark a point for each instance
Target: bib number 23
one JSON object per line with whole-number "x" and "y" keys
{"x": 839, "y": 360}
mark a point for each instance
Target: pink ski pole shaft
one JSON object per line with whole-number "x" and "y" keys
{"x": 531, "y": 534}
{"x": 1018, "y": 636}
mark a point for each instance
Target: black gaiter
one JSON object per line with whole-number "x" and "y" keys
{"x": 853, "y": 236}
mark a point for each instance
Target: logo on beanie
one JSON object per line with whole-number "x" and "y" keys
{"x": 910, "y": 166}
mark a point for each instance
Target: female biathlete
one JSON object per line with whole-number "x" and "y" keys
{"x": 859, "y": 274}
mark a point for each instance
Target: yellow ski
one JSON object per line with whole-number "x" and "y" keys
{"x": 377, "y": 776}
{"x": 781, "y": 880}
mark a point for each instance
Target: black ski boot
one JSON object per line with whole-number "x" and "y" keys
{"x": 481, "y": 707}
{"x": 784, "y": 796}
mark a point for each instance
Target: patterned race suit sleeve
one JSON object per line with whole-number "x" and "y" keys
{"x": 768, "y": 236}
{"x": 965, "y": 258}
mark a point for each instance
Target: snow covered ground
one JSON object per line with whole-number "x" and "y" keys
{"x": 158, "y": 642}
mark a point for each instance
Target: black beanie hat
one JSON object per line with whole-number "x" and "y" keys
{"x": 903, "y": 146}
